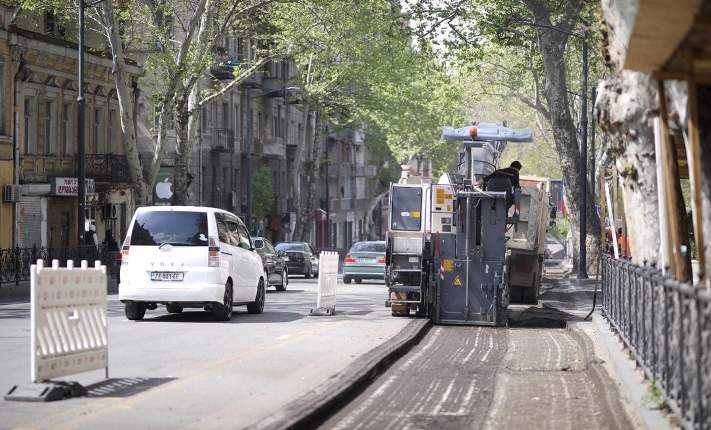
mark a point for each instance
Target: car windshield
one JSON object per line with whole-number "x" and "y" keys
{"x": 177, "y": 228}
{"x": 369, "y": 247}
{"x": 290, "y": 247}
{"x": 406, "y": 208}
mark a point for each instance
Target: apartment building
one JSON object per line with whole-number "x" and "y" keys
{"x": 38, "y": 77}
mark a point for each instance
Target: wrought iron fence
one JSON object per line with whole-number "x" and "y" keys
{"x": 15, "y": 262}
{"x": 667, "y": 326}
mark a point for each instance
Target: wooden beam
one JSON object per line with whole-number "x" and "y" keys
{"x": 672, "y": 198}
{"x": 694, "y": 161}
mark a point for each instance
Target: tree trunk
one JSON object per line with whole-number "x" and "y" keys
{"x": 126, "y": 106}
{"x": 296, "y": 175}
{"x": 704, "y": 101}
{"x": 183, "y": 150}
{"x": 552, "y": 45}
{"x": 625, "y": 107}
{"x": 314, "y": 174}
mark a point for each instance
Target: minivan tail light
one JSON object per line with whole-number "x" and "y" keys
{"x": 349, "y": 259}
{"x": 124, "y": 250}
{"x": 381, "y": 260}
{"x": 213, "y": 253}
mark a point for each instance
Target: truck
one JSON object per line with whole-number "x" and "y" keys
{"x": 447, "y": 256}
{"x": 527, "y": 240}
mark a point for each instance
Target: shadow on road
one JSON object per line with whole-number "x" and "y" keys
{"x": 199, "y": 316}
{"x": 124, "y": 387}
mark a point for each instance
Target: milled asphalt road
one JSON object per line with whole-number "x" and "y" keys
{"x": 188, "y": 371}
{"x": 496, "y": 378}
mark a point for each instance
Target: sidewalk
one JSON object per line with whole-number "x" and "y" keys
{"x": 575, "y": 298}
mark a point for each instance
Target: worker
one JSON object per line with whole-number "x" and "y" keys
{"x": 494, "y": 181}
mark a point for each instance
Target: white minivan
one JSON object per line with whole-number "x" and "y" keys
{"x": 189, "y": 257}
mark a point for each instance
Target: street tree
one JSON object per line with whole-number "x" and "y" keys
{"x": 177, "y": 42}
{"x": 357, "y": 69}
{"x": 536, "y": 43}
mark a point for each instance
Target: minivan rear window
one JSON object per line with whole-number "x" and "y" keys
{"x": 290, "y": 247}
{"x": 369, "y": 247}
{"x": 176, "y": 228}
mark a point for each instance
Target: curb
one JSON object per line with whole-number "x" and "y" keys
{"x": 314, "y": 407}
{"x": 13, "y": 293}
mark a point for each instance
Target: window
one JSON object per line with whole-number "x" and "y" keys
{"x": 225, "y": 115}
{"x": 29, "y": 136}
{"x": 49, "y": 128}
{"x": 2, "y": 96}
{"x": 112, "y": 130}
{"x": 406, "y": 208}
{"x": 258, "y": 127}
{"x": 67, "y": 132}
{"x": 98, "y": 136}
{"x": 280, "y": 132}
{"x": 368, "y": 247}
{"x": 244, "y": 241}
{"x": 203, "y": 117}
{"x": 178, "y": 228}
{"x": 223, "y": 231}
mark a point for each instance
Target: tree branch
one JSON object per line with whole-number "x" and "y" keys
{"x": 236, "y": 81}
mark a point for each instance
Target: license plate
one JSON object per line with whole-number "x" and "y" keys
{"x": 286, "y": 258}
{"x": 367, "y": 260}
{"x": 413, "y": 259}
{"x": 166, "y": 276}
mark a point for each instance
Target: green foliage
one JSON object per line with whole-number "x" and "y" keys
{"x": 357, "y": 62}
{"x": 262, "y": 193}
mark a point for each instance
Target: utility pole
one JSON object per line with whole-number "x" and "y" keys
{"x": 80, "y": 123}
{"x": 593, "y": 159}
{"x": 582, "y": 257}
{"x": 248, "y": 164}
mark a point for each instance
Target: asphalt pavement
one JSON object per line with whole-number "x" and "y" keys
{"x": 189, "y": 371}
{"x": 537, "y": 375}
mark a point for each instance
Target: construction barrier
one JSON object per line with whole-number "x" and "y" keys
{"x": 327, "y": 281}
{"x": 69, "y": 331}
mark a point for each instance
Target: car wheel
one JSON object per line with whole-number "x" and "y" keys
{"x": 307, "y": 272}
{"x": 173, "y": 308}
{"x": 135, "y": 311}
{"x": 346, "y": 279}
{"x": 358, "y": 280}
{"x": 223, "y": 311}
{"x": 257, "y": 306}
{"x": 284, "y": 281}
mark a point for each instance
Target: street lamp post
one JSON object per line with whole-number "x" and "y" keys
{"x": 582, "y": 260}
{"x": 81, "y": 173}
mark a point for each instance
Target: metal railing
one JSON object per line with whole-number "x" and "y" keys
{"x": 15, "y": 262}
{"x": 107, "y": 167}
{"x": 667, "y": 326}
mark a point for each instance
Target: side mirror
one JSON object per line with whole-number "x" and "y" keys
{"x": 281, "y": 253}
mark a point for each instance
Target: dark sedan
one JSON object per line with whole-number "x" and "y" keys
{"x": 302, "y": 258}
{"x": 274, "y": 263}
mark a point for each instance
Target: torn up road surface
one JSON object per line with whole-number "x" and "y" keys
{"x": 498, "y": 378}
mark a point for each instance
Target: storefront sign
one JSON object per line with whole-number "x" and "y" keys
{"x": 70, "y": 186}
{"x": 163, "y": 189}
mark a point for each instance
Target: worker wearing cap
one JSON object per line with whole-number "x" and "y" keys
{"x": 510, "y": 173}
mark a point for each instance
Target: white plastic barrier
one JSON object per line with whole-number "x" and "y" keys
{"x": 69, "y": 332}
{"x": 327, "y": 281}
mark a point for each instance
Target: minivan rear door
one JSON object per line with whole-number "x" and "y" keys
{"x": 167, "y": 246}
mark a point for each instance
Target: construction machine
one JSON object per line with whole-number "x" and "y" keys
{"x": 446, "y": 246}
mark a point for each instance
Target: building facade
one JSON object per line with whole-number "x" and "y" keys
{"x": 39, "y": 99}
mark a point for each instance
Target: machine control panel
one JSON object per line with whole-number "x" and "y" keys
{"x": 443, "y": 202}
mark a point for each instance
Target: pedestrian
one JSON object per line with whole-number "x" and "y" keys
{"x": 495, "y": 181}
{"x": 109, "y": 242}
{"x": 90, "y": 236}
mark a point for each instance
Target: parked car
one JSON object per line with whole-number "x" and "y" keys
{"x": 189, "y": 257}
{"x": 274, "y": 263}
{"x": 365, "y": 260}
{"x": 301, "y": 258}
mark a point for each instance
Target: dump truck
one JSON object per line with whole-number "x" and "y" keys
{"x": 527, "y": 240}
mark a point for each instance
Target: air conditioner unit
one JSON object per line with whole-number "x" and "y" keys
{"x": 11, "y": 193}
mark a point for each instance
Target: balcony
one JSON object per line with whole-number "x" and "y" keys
{"x": 273, "y": 87}
{"x": 107, "y": 168}
{"x": 274, "y": 147}
{"x": 219, "y": 139}
{"x": 228, "y": 67}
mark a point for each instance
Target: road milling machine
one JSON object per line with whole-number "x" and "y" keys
{"x": 446, "y": 247}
